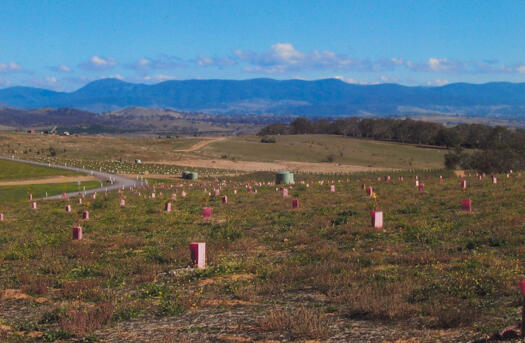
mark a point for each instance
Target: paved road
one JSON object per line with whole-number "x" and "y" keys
{"x": 116, "y": 180}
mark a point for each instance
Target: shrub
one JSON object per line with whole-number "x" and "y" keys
{"x": 266, "y": 139}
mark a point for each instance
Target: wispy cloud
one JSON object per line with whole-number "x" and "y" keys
{"x": 284, "y": 57}
{"x": 165, "y": 62}
{"x": 99, "y": 63}
{"x": 158, "y": 78}
{"x": 11, "y": 67}
{"x": 220, "y": 62}
{"x": 437, "y": 82}
{"x": 61, "y": 68}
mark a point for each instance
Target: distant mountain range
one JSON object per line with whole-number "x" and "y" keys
{"x": 328, "y": 97}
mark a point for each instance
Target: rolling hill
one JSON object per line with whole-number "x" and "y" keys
{"x": 328, "y": 97}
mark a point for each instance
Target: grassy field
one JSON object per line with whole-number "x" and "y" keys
{"x": 327, "y": 148}
{"x": 303, "y": 148}
{"x": 96, "y": 148}
{"x": 10, "y": 170}
{"x": 19, "y": 193}
{"x": 317, "y": 272}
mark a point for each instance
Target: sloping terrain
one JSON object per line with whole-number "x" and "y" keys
{"x": 313, "y": 98}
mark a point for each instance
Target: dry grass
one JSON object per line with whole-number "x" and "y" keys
{"x": 297, "y": 323}
{"x": 82, "y": 320}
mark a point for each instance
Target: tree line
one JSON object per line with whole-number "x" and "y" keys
{"x": 491, "y": 149}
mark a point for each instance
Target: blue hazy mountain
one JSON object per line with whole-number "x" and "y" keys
{"x": 321, "y": 97}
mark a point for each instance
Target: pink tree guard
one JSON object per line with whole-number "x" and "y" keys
{"x": 152, "y": 195}
{"x": 77, "y": 233}
{"x": 401, "y": 179}
{"x": 417, "y": 183}
{"x": 285, "y": 192}
{"x": 421, "y": 187}
{"x": 466, "y": 205}
{"x": 79, "y": 201}
{"x": 1, "y": 217}
{"x": 464, "y": 184}
{"x": 183, "y": 194}
{"x": 85, "y": 215}
{"x": 33, "y": 205}
{"x": 224, "y": 199}
{"x": 174, "y": 196}
{"x": 369, "y": 191}
{"x": 122, "y": 202}
{"x": 217, "y": 192}
{"x": 295, "y": 203}
{"x": 234, "y": 191}
{"x": 363, "y": 186}
{"x": 30, "y": 196}
{"x": 63, "y": 195}
{"x": 494, "y": 180}
{"x": 377, "y": 219}
{"x": 207, "y": 212}
{"x": 332, "y": 188}
{"x": 168, "y": 207}
{"x": 198, "y": 255}
{"x": 68, "y": 208}
{"x": 94, "y": 196}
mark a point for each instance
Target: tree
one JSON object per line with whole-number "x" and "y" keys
{"x": 448, "y": 137}
{"x": 274, "y": 129}
{"x": 301, "y": 126}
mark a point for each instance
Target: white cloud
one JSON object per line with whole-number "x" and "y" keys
{"x": 158, "y": 78}
{"x": 51, "y": 80}
{"x": 389, "y": 79}
{"x": 436, "y": 64}
{"x": 354, "y": 81}
{"x": 61, "y": 68}
{"x": 284, "y": 57}
{"x": 521, "y": 69}
{"x": 144, "y": 64}
{"x": 64, "y": 68}
{"x": 437, "y": 82}
{"x": 10, "y": 67}
{"x": 99, "y": 63}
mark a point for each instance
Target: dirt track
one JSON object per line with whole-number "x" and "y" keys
{"x": 250, "y": 166}
{"x": 54, "y": 179}
{"x": 202, "y": 144}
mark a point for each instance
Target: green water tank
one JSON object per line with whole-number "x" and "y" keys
{"x": 284, "y": 177}
{"x": 190, "y": 175}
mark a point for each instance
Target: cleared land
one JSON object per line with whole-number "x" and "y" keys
{"x": 252, "y": 166}
{"x": 320, "y": 272}
{"x": 326, "y": 148}
{"x": 10, "y": 170}
{"x": 47, "y": 180}
{"x": 20, "y": 192}
{"x": 309, "y": 153}
{"x": 96, "y": 148}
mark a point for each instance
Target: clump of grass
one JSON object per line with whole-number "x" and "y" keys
{"x": 299, "y": 323}
{"x": 38, "y": 285}
{"x": 81, "y": 320}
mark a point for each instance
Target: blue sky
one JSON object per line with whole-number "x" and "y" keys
{"x": 63, "y": 45}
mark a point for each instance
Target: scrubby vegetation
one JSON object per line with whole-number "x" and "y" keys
{"x": 273, "y": 272}
{"x": 497, "y": 149}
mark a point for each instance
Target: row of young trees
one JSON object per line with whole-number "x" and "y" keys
{"x": 497, "y": 149}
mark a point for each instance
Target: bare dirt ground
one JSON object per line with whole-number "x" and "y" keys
{"x": 53, "y": 179}
{"x": 202, "y": 144}
{"x": 251, "y": 166}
